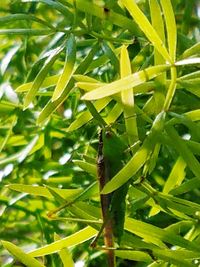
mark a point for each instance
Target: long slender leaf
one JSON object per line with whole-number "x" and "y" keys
{"x": 72, "y": 240}
{"x": 147, "y": 28}
{"x": 68, "y": 68}
{"x": 47, "y": 82}
{"x": 41, "y": 76}
{"x": 170, "y": 27}
{"x": 17, "y": 17}
{"x": 127, "y": 97}
{"x": 24, "y": 258}
{"x": 125, "y": 83}
{"x": 51, "y": 106}
{"x": 43, "y": 191}
{"x": 31, "y": 32}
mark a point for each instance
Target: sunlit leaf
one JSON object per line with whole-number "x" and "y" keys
{"x": 72, "y": 240}
{"x": 127, "y": 97}
{"x": 21, "y": 155}
{"x": 43, "y": 191}
{"x": 65, "y": 255}
{"x": 147, "y": 28}
{"x": 170, "y": 27}
{"x": 24, "y": 258}
{"x": 68, "y": 68}
{"x": 41, "y": 76}
{"x": 125, "y": 83}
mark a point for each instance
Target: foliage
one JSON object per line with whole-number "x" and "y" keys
{"x": 68, "y": 68}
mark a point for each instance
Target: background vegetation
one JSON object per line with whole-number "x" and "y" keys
{"x": 67, "y": 68}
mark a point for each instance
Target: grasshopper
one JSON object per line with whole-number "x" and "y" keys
{"x": 109, "y": 162}
{"x": 112, "y": 152}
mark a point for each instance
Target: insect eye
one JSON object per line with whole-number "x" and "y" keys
{"x": 106, "y": 10}
{"x": 108, "y": 134}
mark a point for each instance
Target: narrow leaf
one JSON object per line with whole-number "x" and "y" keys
{"x": 127, "y": 97}
{"x": 42, "y": 75}
{"x": 21, "y": 155}
{"x": 194, "y": 50}
{"x": 24, "y": 258}
{"x": 72, "y": 240}
{"x": 86, "y": 116}
{"x": 68, "y": 68}
{"x": 65, "y": 255}
{"x": 52, "y": 106}
{"x": 44, "y": 192}
{"x": 31, "y": 32}
{"x": 49, "y": 81}
{"x": 170, "y": 27}
{"x": 147, "y": 28}
{"x": 88, "y": 167}
{"x": 125, "y": 83}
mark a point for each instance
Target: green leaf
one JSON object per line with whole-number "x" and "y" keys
{"x": 21, "y": 155}
{"x": 175, "y": 257}
{"x": 65, "y": 255}
{"x": 47, "y": 82}
{"x": 139, "y": 158}
{"x": 31, "y": 32}
{"x": 55, "y": 5}
{"x": 52, "y": 106}
{"x": 184, "y": 151}
{"x": 68, "y": 68}
{"x": 42, "y": 75}
{"x": 186, "y": 187}
{"x": 143, "y": 229}
{"x": 181, "y": 205}
{"x": 113, "y": 17}
{"x": 17, "y": 17}
{"x": 127, "y": 97}
{"x": 176, "y": 175}
{"x": 72, "y": 240}
{"x": 86, "y": 116}
{"x": 194, "y": 50}
{"x": 158, "y": 25}
{"x": 110, "y": 53}
{"x": 133, "y": 255}
{"x": 172, "y": 89}
{"x": 66, "y": 194}
{"x": 24, "y": 258}
{"x": 88, "y": 167}
{"x": 170, "y": 27}
{"x": 114, "y": 114}
{"x": 147, "y": 28}
{"x": 125, "y": 83}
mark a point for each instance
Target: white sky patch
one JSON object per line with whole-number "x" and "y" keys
{"x": 198, "y": 9}
{"x": 48, "y": 174}
{"x": 79, "y": 263}
{"x": 64, "y": 158}
{"x": 1, "y": 175}
{"x": 81, "y": 107}
{"x": 8, "y": 169}
{"x": 68, "y": 113}
{"x": 9, "y": 93}
{"x": 186, "y": 136}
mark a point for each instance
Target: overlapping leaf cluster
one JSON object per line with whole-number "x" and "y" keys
{"x": 69, "y": 67}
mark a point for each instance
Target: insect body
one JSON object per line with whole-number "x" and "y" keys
{"x": 110, "y": 161}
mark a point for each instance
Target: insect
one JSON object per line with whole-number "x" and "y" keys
{"x": 109, "y": 162}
